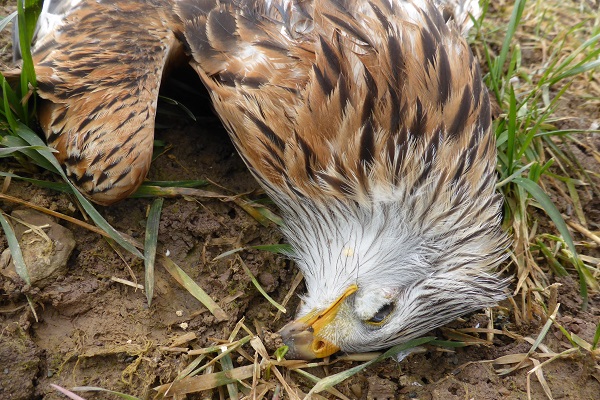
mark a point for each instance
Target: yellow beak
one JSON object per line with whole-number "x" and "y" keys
{"x": 303, "y": 336}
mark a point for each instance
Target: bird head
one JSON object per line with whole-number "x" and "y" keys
{"x": 380, "y": 275}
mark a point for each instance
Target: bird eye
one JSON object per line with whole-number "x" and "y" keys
{"x": 382, "y": 314}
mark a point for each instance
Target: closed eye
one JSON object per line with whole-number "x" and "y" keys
{"x": 381, "y": 314}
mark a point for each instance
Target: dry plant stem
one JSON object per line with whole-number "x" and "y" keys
{"x": 295, "y": 282}
{"x": 255, "y": 375}
{"x": 212, "y": 349}
{"x": 7, "y": 181}
{"x": 72, "y": 220}
{"x": 541, "y": 380}
{"x": 236, "y": 329}
{"x": 127, "y": 283}
{"x": 285, "y": 385}
{"x": 118, "y": 251}
{"x": 584, "y": 231}
{"x": 490, "y": 315}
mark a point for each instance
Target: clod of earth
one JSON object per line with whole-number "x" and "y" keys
{"x": 46, "y": 247}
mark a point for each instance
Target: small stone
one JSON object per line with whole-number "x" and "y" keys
{"x": 46, "y": 249}
{"x": 179, "y": 313}
{"x": 5, "y": 258}
{"x": 356, "y": 390}
{"x": 503, "y": 391}
{"x": 381, "y": 389}
{"x": 266, "y": 279}
{"x": 575, "y": 328}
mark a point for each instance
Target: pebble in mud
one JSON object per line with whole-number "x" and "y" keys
{"x": 381, "y": 389}
{"x": 267, "y": 281}
{"x": 45, "y": 252}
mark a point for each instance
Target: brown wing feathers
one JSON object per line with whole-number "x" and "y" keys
{"x": 99, "y": 73}
{"x": 325, "y": 97}
{"x": 384, "y": 87}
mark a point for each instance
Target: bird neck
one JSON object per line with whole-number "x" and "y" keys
{"x": 342, "y": 243}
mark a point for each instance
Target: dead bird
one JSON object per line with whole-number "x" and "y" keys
{"x": 367, "y": 122}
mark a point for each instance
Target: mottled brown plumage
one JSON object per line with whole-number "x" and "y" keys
{"x": 334, "y": 114}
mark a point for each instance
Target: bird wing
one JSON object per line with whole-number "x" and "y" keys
{"x": 99, "y": 65}
{"x": 342, "y": 98}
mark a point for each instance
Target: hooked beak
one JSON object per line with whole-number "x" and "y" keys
{"x": 303, "y": 336}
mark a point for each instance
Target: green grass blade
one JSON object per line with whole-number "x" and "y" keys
{"x": 515, "y": 174}
{"x": 15, "y": 249}
{"x": 6, "y": 100}
{"x": 593, "y": 41}
{"x": 9, "y": 151}
{"x": 575, "y": 71}
{"x": 596, "y": 337}
{"x": 260, "y": 289}
{"x": 27, "y": 13}
{"x": 7, "y": 20}
{"x": 150, "y": 242}
{"x": 9, "y": 93}
{"x": 32, "y": 139}
{"x": 448, "y": 344}
{"x": 227, "y": 365}
{"x": 58, "y": 186}
{"x": 556, "y": 266}
{"x": 512, "y": 131}
{"x": 188, "y": 283}
{"x": 35, "y": 156}
{"x": 268, "y": 214}
{"x": 190, "y": 369}
{"x": 284, "y": 249}
{"x": 585, "y": 277}
{"x": 315, "y": 379}
{"x": 507, "y": 44}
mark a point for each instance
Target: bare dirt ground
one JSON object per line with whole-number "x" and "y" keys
{"x": 90, "y": 330}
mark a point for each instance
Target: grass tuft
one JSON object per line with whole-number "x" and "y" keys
{"x": 527, "y": 135}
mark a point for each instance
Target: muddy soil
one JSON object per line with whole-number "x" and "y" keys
{"x": 90, "y": 330}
